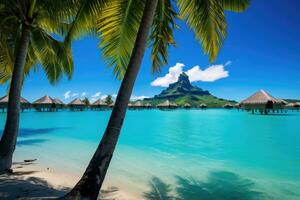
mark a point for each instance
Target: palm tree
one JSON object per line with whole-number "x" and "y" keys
{"x": 124, "y": 26}
{"x": 26, "y": 41}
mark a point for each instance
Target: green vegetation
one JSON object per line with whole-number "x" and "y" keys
{"x": 183, "y": 92}
{"x": 86, "y": 101}
{"x": 108, "y": 100}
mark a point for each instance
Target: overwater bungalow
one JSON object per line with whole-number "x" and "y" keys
{"x": 228, "y": 106}
{"x": 297, "y": 105}
{"x": 148, "y": 105}
{"x": 167, "y": 105}
{"x": 111, "y": 105}
{"x": 187, "y": 106}
{"x": 203, "y": 105}
{"x": 138, "y": 105}
{"x": 76, "y": 105}
{"x": 59, "y": 104}
{"x": 290, "y": 106}
{"x": 237, "y": 105}
{"x": 263, "y": 103}
{"x": 4, "y": 102}
{"x": 45, "y": 103}
{"x": 99, "y": 105}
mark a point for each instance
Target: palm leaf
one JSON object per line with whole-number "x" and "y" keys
{"x": 54, "y": 56}
{"x": 162, "y": 33}
{"x": 207, "y": 19}
{"x": 117, "y": 27}
{"x": 236, "y": 5}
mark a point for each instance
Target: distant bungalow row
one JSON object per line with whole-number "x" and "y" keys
{"x": 260, "y": 102}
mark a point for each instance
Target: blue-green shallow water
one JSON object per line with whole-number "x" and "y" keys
{"x": 198, "y": 154}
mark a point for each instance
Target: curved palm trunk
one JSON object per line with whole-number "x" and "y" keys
{"x": 89, "y": 185}
{"x": 10, "y": 133}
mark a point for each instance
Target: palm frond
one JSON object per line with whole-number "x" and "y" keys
{"x": 236, "y": 5}
{"x": 162, "y": 34}
{"x": 84, "y": 21}
{"x": 54, "y": 56}
{"x": 117, "y": 27}
{"x": 207, "y": 19}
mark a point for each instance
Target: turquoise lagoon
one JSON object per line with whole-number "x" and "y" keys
{"x": 192, "y": 154}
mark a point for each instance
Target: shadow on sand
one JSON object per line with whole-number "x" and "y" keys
{"x": 22, "y": 184}
{"x": 220, "y": 185}
{"x": 14, "y": 187}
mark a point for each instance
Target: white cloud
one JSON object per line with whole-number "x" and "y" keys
{"x": 96, "y": 95}
{"x": 103, "y": 96}
{"x": 229, "y": 62}
{"x": 83, "y": 94}
{"x": 67, "y": 94}
{"x": 135, "y": 98}
{"x": 169, "y": 78}
{"x": 210, "y": 74}
{"x": 114, "y": 96}
{"x": 74, "y": 94}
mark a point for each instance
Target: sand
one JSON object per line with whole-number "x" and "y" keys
{"x": 31, "y": 180}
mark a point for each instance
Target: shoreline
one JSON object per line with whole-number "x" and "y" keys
{"x": 32, "y": 180}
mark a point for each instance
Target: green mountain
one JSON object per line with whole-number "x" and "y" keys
{"x": 183, "y": 92}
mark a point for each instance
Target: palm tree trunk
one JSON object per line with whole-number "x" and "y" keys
{"x": 10, "y": 133}
{"x": 89, "y": 185}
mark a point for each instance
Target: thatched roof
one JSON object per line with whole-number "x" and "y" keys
{"x": 138, "y": 104}
{"x": 297, "y": 104}
{"x": 167, "y": 103}
{"x": 76, "y": 102}
{"x": 99, "y": 102}
{"x": 44, "y": 100}
{"x": 261, "y": 97}
{"x": 290, "y": 105}
{"x": 58, "y": 101}
{"x": 148, "y": 105}
{"x": 187, "y": 105}
{"x": 112, "y": 104}
{"x": 203, "y": 105}
{"x": 5, "y": 100}
{"x": 228, "y": 105}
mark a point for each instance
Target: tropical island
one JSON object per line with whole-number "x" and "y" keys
{"x": 183, "y": 93}
{"x": 82, "y": 120}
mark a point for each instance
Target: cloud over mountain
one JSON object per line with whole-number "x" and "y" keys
{"x": 210, "y": 74}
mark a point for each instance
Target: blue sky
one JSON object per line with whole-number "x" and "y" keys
{"x": 262, "y": 45}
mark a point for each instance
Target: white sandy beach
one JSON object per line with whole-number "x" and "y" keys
{"x": 32, "y": 180}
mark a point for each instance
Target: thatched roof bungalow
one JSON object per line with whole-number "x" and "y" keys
{"x": 138, "y": 105}
{"x": 111, "y": 105}
{"x": 76, "y": 105}
{"x": 262, "y": 101}
{"x": 228, "y": 106}
{"x": 99, "y": 105}
{"x": 167, "y": 105}
{"x": 297, "y": 105}
{"x": 148, "y": 105}
{"x": 44, "y": 103}
{"x": 58, "y": 103}
{"x": 187, "y": 106}
{"x": 203, "y": 105}
{"x": 290, "y": 105}
{"x": 4, "y": 102}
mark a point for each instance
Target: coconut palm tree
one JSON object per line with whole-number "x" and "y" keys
{"x": 124, "y": 26}
{"x": 27, "y": 40}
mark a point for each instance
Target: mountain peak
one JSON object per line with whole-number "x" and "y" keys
{"x": 181, "y": 88}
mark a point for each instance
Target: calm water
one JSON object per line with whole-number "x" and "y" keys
{"x": 194, "y": 154}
